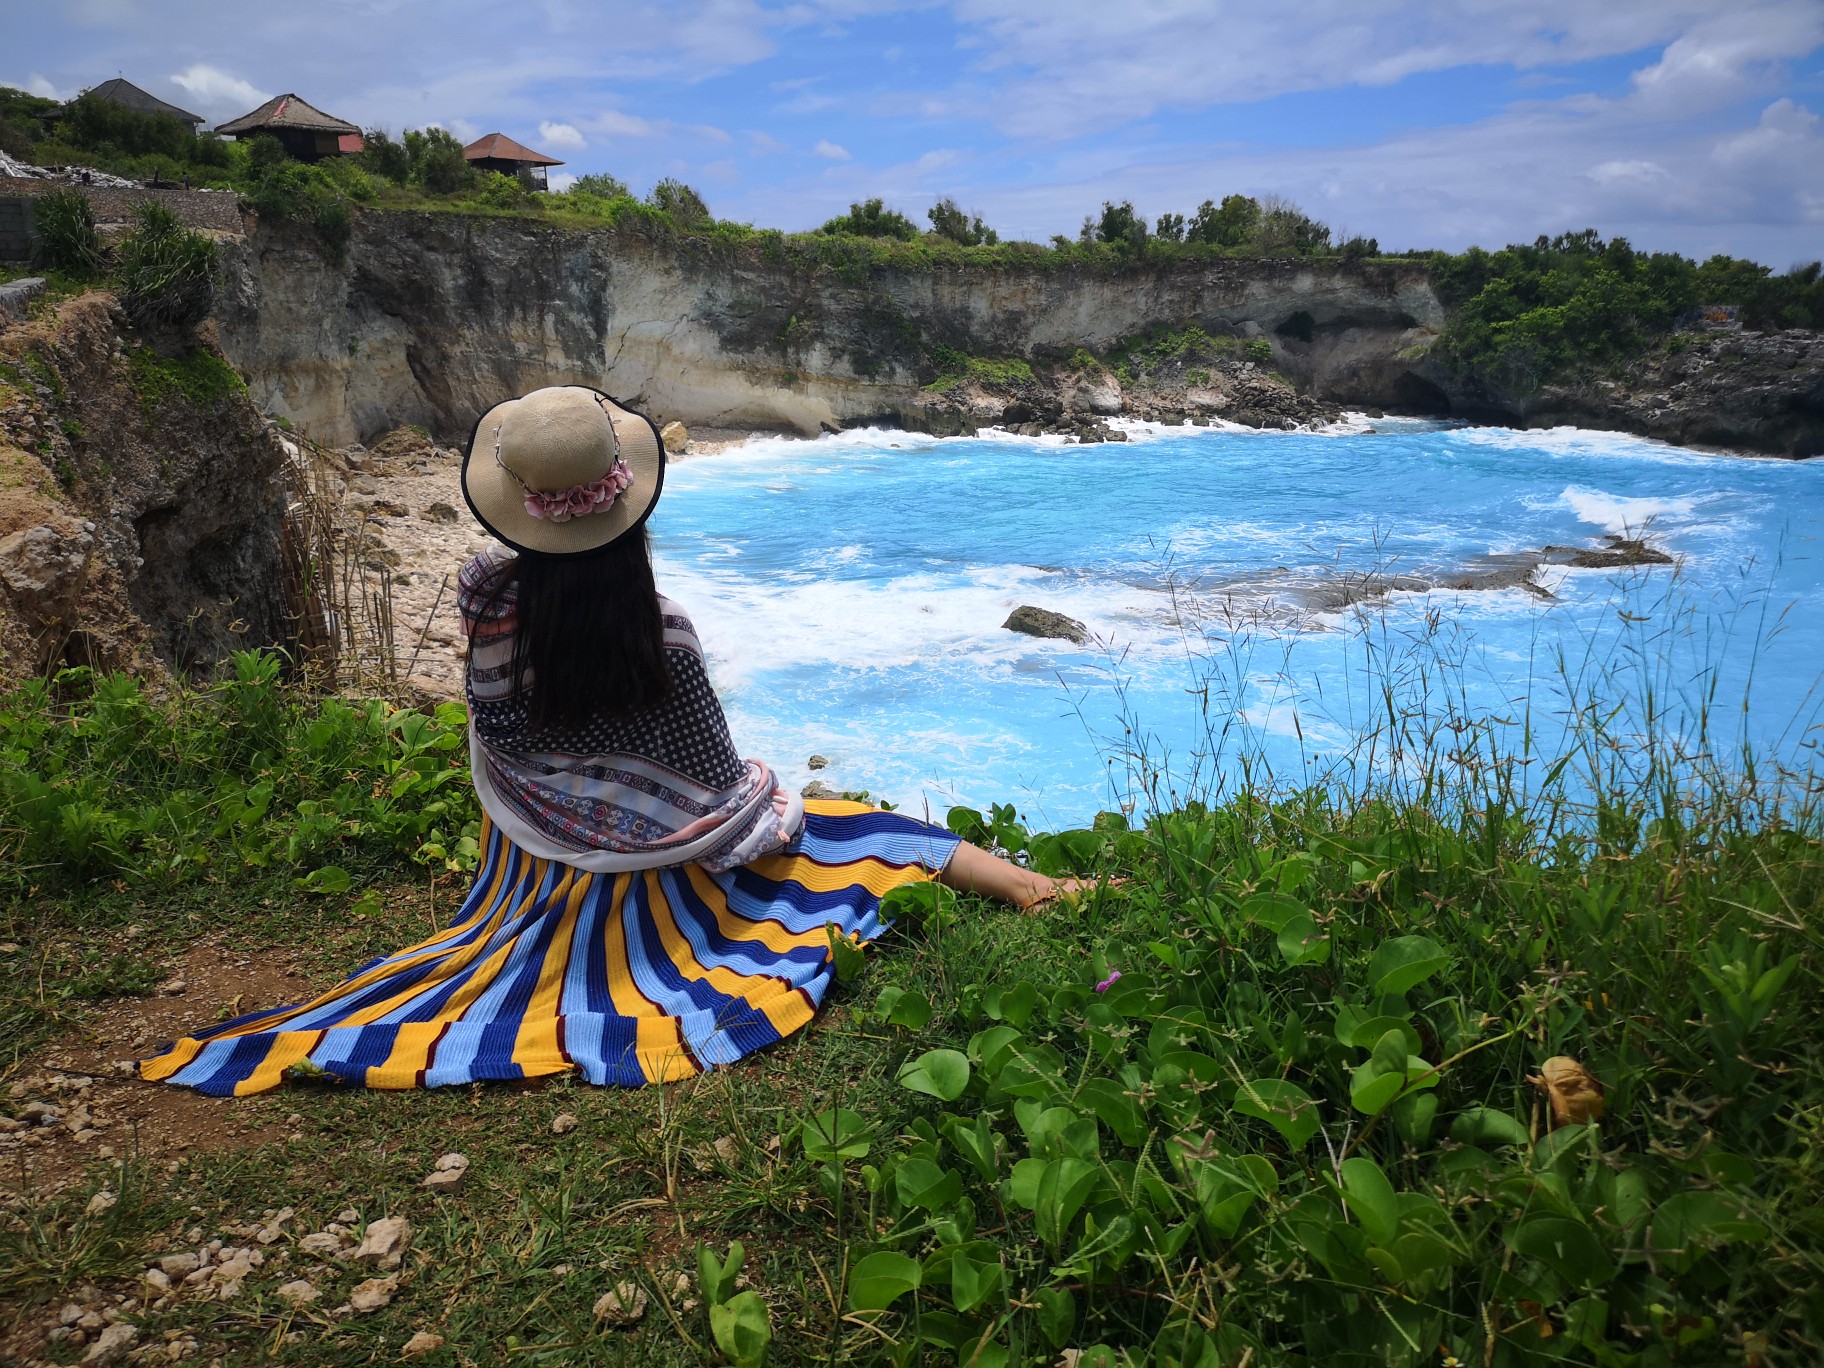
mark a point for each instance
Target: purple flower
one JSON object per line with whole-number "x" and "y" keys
{"x": 1108, "y": 982}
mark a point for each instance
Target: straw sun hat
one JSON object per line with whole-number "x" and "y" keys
{"x": 562, "y": 471}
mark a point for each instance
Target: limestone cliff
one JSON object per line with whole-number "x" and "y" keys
{"x": 140, "y": 503}
{"x": 431, "y": 318}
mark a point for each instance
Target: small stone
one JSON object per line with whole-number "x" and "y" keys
{"x": 445, "y": 1182}
{"x": 564, "y": 1124}
{"x": 439, "y": 512}
{"x": 680, "y": 1285}
{"x": 726, "y": 1149}
{"x": 321, "y": 1245}
{"x": 100, "y": 1202}
{"x": 39, "y": 1113}
{"x": 112, "y": 1344}
{"x": 423, "y": 1342}
{"x": 817, "y": 762}
{"x": 373, "y": 1294}
{"x": 174, "y": 987}
{"x": 385, "y": 1241}
{"x": 177, "y": 1265}
{"x": 623, "y": 1304}
{"x": 675, "y": 436}
{"x": 348, "y": 1216}
{"x": 92, "y": 1322}
{"x": 64, "y": 1334}
{"x": 158, "y": 1280}
{"x": 298, "y": 1292}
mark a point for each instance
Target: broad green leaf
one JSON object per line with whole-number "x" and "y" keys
{"x": 1271, "y": 910}
{"x": 988, "y": 1049}
{"x": 1063, "y": 1188}
{"x": 845, "y": 955}
{"x": 1288, "y": 1108}
{"x": 897, "y": 1007}
{"x": 1302, "y": 941}
{"x": 1486, "y": 1126}
{"x": 1057, "y": 1314}
{"x": 742, "y": 1329}
{"x": 1363, "y": 1032}
{"x": 942, "y": 1074}
{"x": 838, "y": 1134}
{"x": 969, "y": 824}
{"x": 976, "y": 1276}
{"x": 881, "y": 1278}
{"x": 974, "y": 1140}
{"x": 1687, "y": 1224}
{"x": 1372, "y": 1199}
{"x": 716, "y": 1276}
{"x": 1569, "y": 1248}
{"x": 921, "y": 1183}
{"x": 1413, "y": 1116}
{"x": 330, "y": 879}
{"x": 1372, "y": 1093}
{"x": 1023, "y": 1184}
{"x": 1401, "y": 964}
{"x": 1114, "y": 1108}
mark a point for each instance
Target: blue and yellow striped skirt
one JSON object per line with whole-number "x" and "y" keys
{"x": 637, "y": 978}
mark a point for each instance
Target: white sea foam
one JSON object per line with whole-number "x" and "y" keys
{"x": 1622, "y": 514}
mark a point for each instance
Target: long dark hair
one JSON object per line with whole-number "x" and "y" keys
{"x": 590, "y": 634}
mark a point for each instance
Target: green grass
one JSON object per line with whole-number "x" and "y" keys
{"x": 200, "y": 376}
{"x": 1270, "y": 1104}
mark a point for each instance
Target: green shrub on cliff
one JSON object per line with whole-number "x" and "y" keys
{"x": 683, "y": 206}
{"x": 1528, "y": 313}
{"x": 952, "y": 224}
{"x": 67, "y": 240}
{"x": 166, "y": 276}
{"x": 872, "y": 219}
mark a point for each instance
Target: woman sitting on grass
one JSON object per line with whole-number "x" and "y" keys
{"x": 649, "y": 905}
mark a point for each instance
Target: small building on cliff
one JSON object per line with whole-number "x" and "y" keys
{"x": 124, "y": 93}
{"x": 498, "y": 152}
{"x": 306, "y": 132}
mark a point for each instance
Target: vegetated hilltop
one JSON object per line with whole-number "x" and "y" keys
{"x": 948, "y": 328}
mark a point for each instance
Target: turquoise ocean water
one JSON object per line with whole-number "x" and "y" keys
{"x": 851, "y": 591}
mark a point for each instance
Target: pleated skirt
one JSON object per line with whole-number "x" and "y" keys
{"x": 646, "y": 977}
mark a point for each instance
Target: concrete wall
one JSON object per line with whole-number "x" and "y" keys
{"x": 17, "y": 232}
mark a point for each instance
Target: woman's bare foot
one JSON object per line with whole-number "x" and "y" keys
{"x": 1064, "y": 891}
{"x": 974, "y": 870}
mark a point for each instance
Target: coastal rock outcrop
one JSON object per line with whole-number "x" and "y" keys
{"x": 140, "y": 501}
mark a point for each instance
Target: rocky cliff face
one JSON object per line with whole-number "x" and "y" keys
{"x": 140, "y": 505}
{"x": 1732, "y": 390}
{"x": 432, "y": 318}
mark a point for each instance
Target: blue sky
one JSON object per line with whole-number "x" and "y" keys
{"x": 1690, "y": 125}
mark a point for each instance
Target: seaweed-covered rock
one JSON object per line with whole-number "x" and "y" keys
{"x": 1042, "y": 622}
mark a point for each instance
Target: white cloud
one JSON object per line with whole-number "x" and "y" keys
{"x": 561, "y": 135}
{"x": 834, "y": 151}
{"x": 614, "y": 124}
{"x": 39, "y": 86}
{"x": 763, "y": 141}
{"x": 560, "y": 181}
{"x": 214, "y": 88}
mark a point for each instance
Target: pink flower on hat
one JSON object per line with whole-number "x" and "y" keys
{"x": 579, "y": 501}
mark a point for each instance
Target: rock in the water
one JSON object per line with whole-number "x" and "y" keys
{"x": 385, "y": 1242}
{"x": 1104, "y": 398}
{"x": 1619, "y": 552}
{"x": 623, "y": 1304}
{"x": 675, "y": 436}
{"x": 423, "y": 1342}
{"x": 1042, "y": 622}
{"x": 564, "y": 1123}
{"x": 111, "y": 1344}
{"x": 818, "y": 762}
{"x": 373, "y": 1294}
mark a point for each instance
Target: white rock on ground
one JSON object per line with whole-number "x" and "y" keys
{"x": 111, "y": 1345}
{"x": 623, "y": 1304}
{"x": 373, "y": 1294}
{"x": 451, "y": 1172}
{"x": 321, "y": 1245}
{"x": 298, "y": 1292}
{"x": 385, "y": 1242}
{"x": 422, "y": 1343}
{"x": 564, "y": 1124}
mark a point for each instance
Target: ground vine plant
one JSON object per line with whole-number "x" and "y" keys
{"x": 1324, "y": 1082}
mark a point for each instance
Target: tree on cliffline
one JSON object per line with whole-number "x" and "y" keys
{"x": 872, "y": 218}
{"x": 951, "y": 223}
